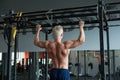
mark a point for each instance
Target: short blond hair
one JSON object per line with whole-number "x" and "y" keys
{"x": 57, "y": 31}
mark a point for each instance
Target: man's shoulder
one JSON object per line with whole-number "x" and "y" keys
{"x": 50, "y": 42}
{"x": 67, "y": 41}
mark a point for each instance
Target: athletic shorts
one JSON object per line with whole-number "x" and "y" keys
{"x": 59, "y": 74}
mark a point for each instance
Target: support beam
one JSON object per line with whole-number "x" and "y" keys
{"x": 101, "y": 29}
{"x": 85, "y": 11}
{"x": 114, "y": 65}
{"x": 108, "y": 50}
{"x": 106, "y": 28}
{"x": 4, "y": 66}
{"x": 46, "y": 57}
{"x": 15, "y": 57}
{"x": 85, "y": 66}
{"x": 108, "y": 53}
{"x": 9, "y": 53}
{"x": 78, "y": 56}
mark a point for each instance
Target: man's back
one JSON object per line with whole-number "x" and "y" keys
{"x": 59, "y": 54}
{"x": 59, "y": 51}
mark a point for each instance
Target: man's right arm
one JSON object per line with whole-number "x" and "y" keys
{"x": 80, "y": 40}
{"x": 37, "y": 42}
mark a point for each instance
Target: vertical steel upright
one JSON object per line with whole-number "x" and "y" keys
{"x": 101, "y": 29}
{"x": 9, "y": 53}
{"x": 114, "y": 74}
{"x": 78, "y": 54}
{"x": 106, "y": 28}
{"x": 15, "y": 56}
{"x": 4, "y": 66}
{"x": 85, "y": 66}
{"x": 46, "y": 57}
{"x": 108, "y": 51}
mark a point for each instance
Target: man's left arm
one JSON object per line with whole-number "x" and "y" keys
{"x": 80, "y": 40}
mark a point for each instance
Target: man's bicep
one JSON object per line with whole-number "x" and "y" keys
{"x": 41, "y": 44}
{"x": 71, "y": 44}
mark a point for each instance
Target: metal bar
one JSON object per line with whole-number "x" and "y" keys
{"x": 106, "y": 28}
{"x": 115, "y": 3}
{"x": 4, "y": 66}
{"x": 78, "y": 54}
{"x": 9, "y": 54}
{"x": 114, "y": 76}
{"x": 15, "y": 56}
{"x": 64, "y": 16}
{"x": 44, "y": 11}
{"x": 75, "y": 22}
{"x": 108, "y": 48}
{"x": 85, "y": 66}
{"x": 60, "y": 13}
{"x": 46, "y": 57}
{"x": 68, "y": 23}
{"x": 72, "y": 12}
{"x": 113, "y": 12}
{"x": 108, "y": 53}
{"x": 114, "y": 19}
{"x": 71, "y": 16}
{"x": 100, "y": 9}
{"x": 90, "y": 6}
{"x": 37, "y": 65}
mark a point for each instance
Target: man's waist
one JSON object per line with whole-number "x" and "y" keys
{"x": 59, "y": 69}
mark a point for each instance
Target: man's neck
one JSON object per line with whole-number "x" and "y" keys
{"x": 58, "y": 40}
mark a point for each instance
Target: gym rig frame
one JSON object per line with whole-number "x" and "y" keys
{"x": 27, "y": 21}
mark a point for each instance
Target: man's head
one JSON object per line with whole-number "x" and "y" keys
{"x": 57, "y": 31}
